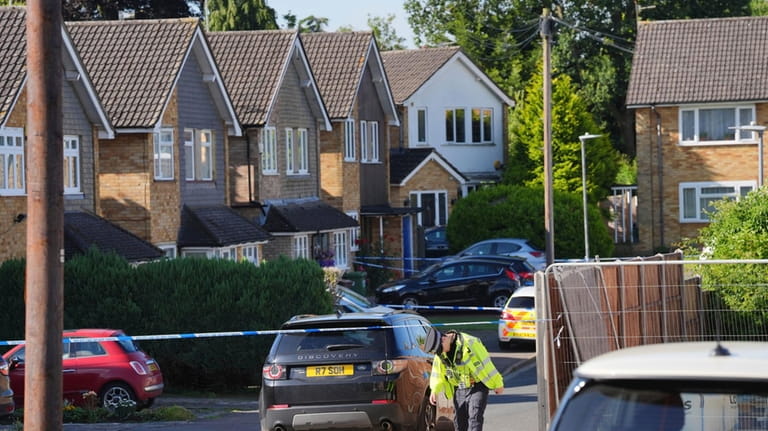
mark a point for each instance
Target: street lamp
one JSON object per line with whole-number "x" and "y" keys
{"x": 583, "y": 138}
{"x": 759, "y": 130}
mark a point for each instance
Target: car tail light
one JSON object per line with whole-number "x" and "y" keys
{"x": 389, "y": 366}
{"x": 273, "y": 372}
{"x": 138, "y": 367}
{"x": 537, "y": 253}
{"x": 506, "y": 315}
{"x": 511, "y": 274}
{"x": 525, "y": 275}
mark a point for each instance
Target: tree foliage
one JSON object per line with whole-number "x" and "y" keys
{"x": 86, "y": 10}
{"x": 517, "y": 212}
{"x": 313, "y": 24}
{"x": 384, "y": 32}
{"x": 738, "y": 230}
{"x": 570, "y": 119}
{"x": 226, "y": 15}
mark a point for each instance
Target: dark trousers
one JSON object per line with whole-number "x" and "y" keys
{"x": 469, "y": 405}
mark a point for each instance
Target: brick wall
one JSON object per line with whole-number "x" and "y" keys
{"x": 332, "y": 165}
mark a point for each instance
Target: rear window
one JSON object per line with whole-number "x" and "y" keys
{"x": 372, "y": 341}
{"x": 520, "y": 302}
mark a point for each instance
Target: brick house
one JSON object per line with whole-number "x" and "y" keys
{"x": 274, "y": 168}
{"x": 692, "y": 83}
{"x": 354, "y": 156}
{"x": 163, "y": 177}
{"x": 446, "y": 102}
{"x": 84, "y": 123}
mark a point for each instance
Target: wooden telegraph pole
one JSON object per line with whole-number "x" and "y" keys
{"x": 549, "y": 220}
{"x": 45, "y": 218}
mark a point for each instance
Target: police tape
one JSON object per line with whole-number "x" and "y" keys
{"x": 199, "y": 335}
{"x": 443, "y": 307}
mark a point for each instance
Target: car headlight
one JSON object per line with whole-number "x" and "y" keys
{"x": 391, "y": 289}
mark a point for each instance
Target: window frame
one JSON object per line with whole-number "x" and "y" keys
{"x": 739, "y": 137}
{"x": 251, "y": 254}
{"x": 349, "y": 140}
{"x": 302, "y": 152}
{"x": 373, "y": 142}
{"x": 290, "y": 153}
{"x": 72, "y": 165}
{"x": 354, "y": 233}
{"x": 269, "y": 151}
{"x": 484, "y": 113}
{"x": 441, "y": 206}
{"x": 189, "y": 154}
{"x": 738, "y": 192}
{"x": 363, "y": 141}
{"x": 421, "y": 126}
{"x": 301, "y": 247}
{"x": 161, "y": 148}
{"x": 12, "y": 161}
{"x": 455, "y": 125}
{"x": 340, "y": 248}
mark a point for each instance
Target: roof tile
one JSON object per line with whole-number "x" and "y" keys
{"x": 13, "y": 51}
{"x": 409, "y": 69}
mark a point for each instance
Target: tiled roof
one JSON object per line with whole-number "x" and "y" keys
{"x": 700, "y": 61}
{"x": 409, "y": 69}
{"x": 217, "y": 226}
{"x": 305, "y": 216}
{"x": 13, "y": 51}
{"x": 83, "y": 231}
{"x": 337, "y": 61}
{"x": 403, "y": 161}
{"x": 134, "y": 64}
{"x": 252, "y": 64}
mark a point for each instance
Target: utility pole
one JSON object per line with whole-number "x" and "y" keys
{"x": 44, "y": 293}
{"x": 549, "y": 220}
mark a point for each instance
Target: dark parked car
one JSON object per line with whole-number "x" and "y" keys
{"x": 467, "y": 281}
{"x": 354, "y": 371}
{"x": 435, "y": 242}
{"x": 523, "y": 269}
{"x": 117, "y": 371}
{"x": 7, "y": 406}
{"x": 507, "y": 247}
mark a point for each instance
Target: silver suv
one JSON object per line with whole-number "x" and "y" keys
{"x": 671, "y": 387}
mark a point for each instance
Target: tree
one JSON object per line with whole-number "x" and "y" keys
{"x": 225, "y": 15}
{"x": 570, "y": 119}
{"x": 385, "y": 33}
{"x": 84, "y": 10}
{"x": 517, "y": 212}
{"x": 312, "y": 24}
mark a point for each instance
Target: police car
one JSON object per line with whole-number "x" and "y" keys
{"x": 517, "y": 322}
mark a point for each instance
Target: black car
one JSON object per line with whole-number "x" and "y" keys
{"x": 354, "y": 371}
{"x": 436, "y": 242}
{"x": 466, "y": 281}
{"x": 523, "y": 269}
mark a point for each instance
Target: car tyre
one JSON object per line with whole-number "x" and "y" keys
{"x": 115, "y": 393}
{"x": 499, "y": 299}
{"x": 410, "y": 301}
{"x": 427, "y": 416}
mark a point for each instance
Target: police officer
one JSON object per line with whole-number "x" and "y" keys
{"x": 463, "y": 371}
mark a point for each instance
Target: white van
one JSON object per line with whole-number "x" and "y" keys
{"x": 682, "y": 386}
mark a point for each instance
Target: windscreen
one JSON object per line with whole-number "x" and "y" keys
{"x": 611, "y": 407}
{"x": 372, "y": 341}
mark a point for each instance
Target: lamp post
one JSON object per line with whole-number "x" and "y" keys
{"x": 583, "y": 138}
{"x": 759, "y": 130}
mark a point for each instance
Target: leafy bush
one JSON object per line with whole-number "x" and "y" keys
{"x": 518, "y": 212}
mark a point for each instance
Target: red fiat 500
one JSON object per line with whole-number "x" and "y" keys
{"x": 117, "y": 371}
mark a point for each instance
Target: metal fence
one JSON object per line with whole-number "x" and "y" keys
{"x": 590, "y": 308}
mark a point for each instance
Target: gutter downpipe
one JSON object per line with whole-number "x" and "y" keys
{"x": 660, "y": 167}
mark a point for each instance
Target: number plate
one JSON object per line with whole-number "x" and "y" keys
{"x": 329, "y": 370}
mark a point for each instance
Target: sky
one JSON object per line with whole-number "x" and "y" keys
{"x": 342, "y": 13}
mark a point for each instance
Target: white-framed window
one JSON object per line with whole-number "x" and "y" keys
{"x": 290, "y": 153}
{"x": 372, "y": 147}
{"x": 455, "y": 125}
{"x": 269, "y": 151}
{"x": 363, "y": 141}
{"x": 712, "y": 125}
{"x": 349, "y": 140}
{"x": 198, "y": 155}
{"x": 434, "y": 205}
{"x": 189, "y": 154}
{"x": 12, "y": 179}
{"x": 697, "y": 199}
{"x": 340, "y": 245}
{"x": 421, "y": 126}
{"x": 199, "y": 252}
{"x": 228, "y": 253}
{"x": 302, "y": 152}
{"x": 71, "y": 164}
{"x": 163, "y": 149}
{"x": 354, "y": 233}
{"x": 169, "y": 249}
{"x": 301, "y": 247}
{"x": 482, "y": 125}
{"x": 251, "y": 254}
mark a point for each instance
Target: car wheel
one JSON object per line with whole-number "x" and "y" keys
{"x": 427, "y": 416}
{"x": 114, "y": 394}
{"x": 499, "y": 299}
{"x": 410, "y": 301}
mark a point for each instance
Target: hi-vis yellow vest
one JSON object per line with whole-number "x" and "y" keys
{"x": 474, "y": 366}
